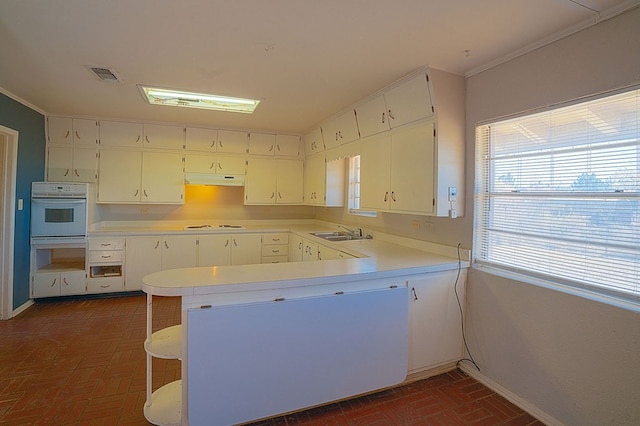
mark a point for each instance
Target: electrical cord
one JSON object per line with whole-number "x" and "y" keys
{"x": 464, "y": 339}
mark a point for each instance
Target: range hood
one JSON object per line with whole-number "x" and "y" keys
{"x": 211, "y": 179}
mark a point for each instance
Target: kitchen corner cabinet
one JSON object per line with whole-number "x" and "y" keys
{"x": 71, "y": 164}
{"x": 324, "y": 181}
{"x": 396, "y": 171}
{"x": 404, "y": 103}
{"x": 140, "y": 177}
{"x": 274, "y": 181}
{"x": 76, "y": 131}
{"x": 435, "y": 324}
{"x": 313, "y": 142}
{"x": 341, "y": 129}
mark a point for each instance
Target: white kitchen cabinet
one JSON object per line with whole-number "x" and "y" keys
{"x": 274, "y": 181}
{"x": 214, "y": 164}
{"x": 313, "y": 142}
{"x": 143, "y": 256}
{"x": 287, "y": 146}
{"x": 401, "y": 104}
{"x": 105, "y": 265}
{"x": 341, "y": 129}
{"x": 214, "y": 250}
{"x": 275, "y": 247}
{"x": 120, "y": 133}
{"x": 76, "y": 131}
{"x": 324, "y": 182}
{"x": 179, "y": 251}
{"x": 327, "y": 253}
{"x": 58, "y": 283}
{"x": 197, "y": 139}
{"x": 397, "y": 171}
{"x": 435, "y": 324}
{"x": 309, "y": 250}
{"x": 262, "y": 144}
{"x": 71, "y": 164}
{"x": 163, "y": 137}
{"x": 140, "y": 177}
{"x": 246, "y": 249}
{"x": 296, "y": 248}
{"x": 232, "y": 142}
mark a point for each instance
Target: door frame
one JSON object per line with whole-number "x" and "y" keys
{"x": 8, "y": 172}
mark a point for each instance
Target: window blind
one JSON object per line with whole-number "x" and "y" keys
{"x": 558, "y": 192}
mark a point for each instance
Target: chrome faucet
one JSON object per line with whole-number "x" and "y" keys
{"x": 352, "y": 232}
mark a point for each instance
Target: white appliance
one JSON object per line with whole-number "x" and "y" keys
{"x": 58, "y": 212}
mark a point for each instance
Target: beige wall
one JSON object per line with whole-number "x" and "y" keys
{"x": 575, "y": 360}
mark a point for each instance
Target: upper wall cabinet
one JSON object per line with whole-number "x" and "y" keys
{"x": 136, "y": 135}
{"x": 232, "y": 141}
{"x": 212, "y": 140}
{"x": 313, "y": 142}
{"x": 404, "y": 103}
{"x": 287, "y": 145}
{"x": 274, "y": 145}
{"x": 78, "y": 131}
{"x": 341, "y": 129}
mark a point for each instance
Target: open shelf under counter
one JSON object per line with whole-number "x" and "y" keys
{"x": 165, "y": 343}
{"x": 165, "y": 406}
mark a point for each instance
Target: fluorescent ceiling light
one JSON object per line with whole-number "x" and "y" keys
{"x": 158, "y": 96}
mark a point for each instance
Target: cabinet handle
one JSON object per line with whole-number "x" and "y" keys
{"x": 279, "y": 195}
{"x": 105, "y": 244}
{"x": 157, "y": 244}
{"x": 271, "y": 148}
{"x": 105, "y": 285}
{"x": 272, "y": 195}
{"x": 219, "y": 166}
{"x": 138, "y": 139}
{"x": 166, "y": 245}
{"x": 66, "y": 173}
{"x": 213, "y": 164}
{"x": 386, "y": 196}
{"x": 278, "y": 147}
{"x": 393, "y": 196}
{"x": 213, "y": 143}
{"x": 75, "y": 172}
{"x": 221, "y": 145}
{"x": 146, "y": 138}
{"x": 66, "y": 135}
{"x": 275, "y": 239}
{"x": 77, "y": 135}
{"x": 415, "y": 295}
{"x": 340, "y": 134}
{"x": 235, "y": 243}
{"x": 391, "y": 117}
{"x": 383, "y": 117}
{"x": 64, "y": 280}
{"x": 145, "y": 193}
{"x": 136, "y": 194}
{"x": 106, "y": 256}
{"x": 226, "y": 243}
{"x": 300, "y": 245}
{"x": 275, "y": 251}
{"x": 54, "y": 282}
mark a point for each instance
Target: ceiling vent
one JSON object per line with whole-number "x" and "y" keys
{"x": 105, "y": 74}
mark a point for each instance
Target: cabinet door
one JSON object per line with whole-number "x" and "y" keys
{"x": 60, "y": 164}
{"x": 412, "y": 170}
{"x": 375, "y": 173}
{"x": 85, "y": 132}
{"x": 118, "y": 133}
{"x": 313, "y": 142}
{"x": 340, "y": 130}
{"x": 314, "y": 179}
{"x": 85, "y": 164}
{"x": 290, "y": 186}
{"x": 262, "y": 144}
{"x": 260, "y": 185}
{"x": 59, "y": 130}
{"x": 119, "y": 176}
{"x": 163, "y": 137}
{"x": 73, "y": 282}
{"x": 287, "y": 145}
{"x": 201, "y": 139}
{"x": 296, "y": 248}
{"x": 162, "y": 178}
{"x": 46, "y": 284}
{"x": 200, "y": 163}
{"x": 231, "y": 165}
{"x": 409, "y": 101}
{"x": 179, "y": 251}
{"x": 143, "y": 256}
{"x": 434, "y": 320}
{"x": 326, "y": 253}
{"x": 214, "y": 250}
{"x": 372, "y": 117}
{"x": 246, "y": 249}
{"x": 309, "y": 251}
{"x": 232, "y": 142}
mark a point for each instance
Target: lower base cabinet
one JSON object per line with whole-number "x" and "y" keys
{"x": 52, "y": 284}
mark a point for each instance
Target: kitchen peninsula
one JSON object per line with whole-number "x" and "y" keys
{"x": 262, "y": 339}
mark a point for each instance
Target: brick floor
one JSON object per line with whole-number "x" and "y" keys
{"x": 82, "y": 362}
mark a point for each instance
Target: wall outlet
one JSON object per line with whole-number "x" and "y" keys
{"x": 453, "y": 193}
{"x": 453, "y": 213}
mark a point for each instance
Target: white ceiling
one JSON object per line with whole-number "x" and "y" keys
{"x": 306, "y": 59}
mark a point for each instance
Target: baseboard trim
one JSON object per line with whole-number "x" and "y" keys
{"x": 22, "y": 308}
{"x": 510, "y": 396}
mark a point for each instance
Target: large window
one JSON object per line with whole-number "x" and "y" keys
{"x": 558, "y": 194}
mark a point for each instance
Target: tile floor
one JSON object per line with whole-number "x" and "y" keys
{"x": 81, "y": 362}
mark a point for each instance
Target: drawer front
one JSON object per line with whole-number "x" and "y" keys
{"x": 105, "y": 285}
{"x": 279, "y": 238}
{"x": 106, "y": 243}
{"x": 275, "y": 250}
{"x": 106, "y": 256}
{"x": 275, "y": 259}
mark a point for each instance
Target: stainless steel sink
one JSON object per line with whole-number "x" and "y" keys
{"x": 336, "y": 236}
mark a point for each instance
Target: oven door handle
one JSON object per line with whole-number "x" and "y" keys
{"x": 59, "y": 200}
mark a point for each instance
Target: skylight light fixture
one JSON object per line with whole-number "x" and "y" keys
{"x": 178, "y": 98}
